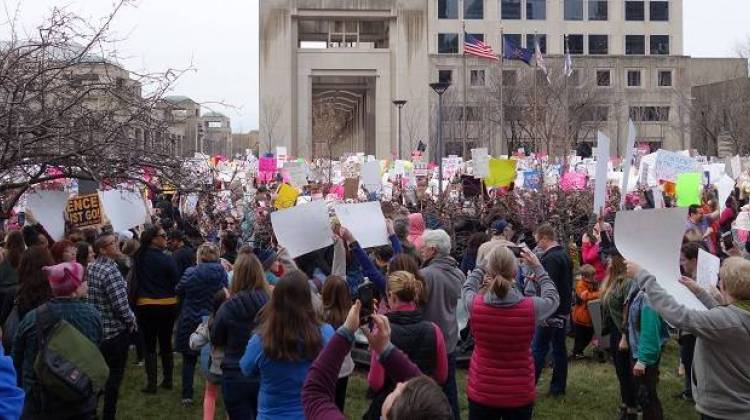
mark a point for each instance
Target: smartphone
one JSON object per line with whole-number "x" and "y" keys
{"x": 21, "y": 217}
{"x": 516, "y": 250}
{"x": 366, "y": 294}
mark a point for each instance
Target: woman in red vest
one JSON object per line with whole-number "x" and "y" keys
{"x": 501, "y": 373}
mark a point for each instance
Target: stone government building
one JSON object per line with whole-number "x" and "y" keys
{"x": 330, "y": 69}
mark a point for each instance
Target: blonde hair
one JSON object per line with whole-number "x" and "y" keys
{"x": 405, "y": 286}
{"x": 502, "y": 267}
{"x": 207, "y": 252}
{"x": 587, "y": 272}
{"x": 735, "y": 277}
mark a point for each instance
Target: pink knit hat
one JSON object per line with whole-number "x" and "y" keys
{"x": 64, "y": 278}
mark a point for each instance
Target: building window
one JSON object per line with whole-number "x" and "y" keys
{"x": 598, "y": 114}
{"x": 635, "y": 10}
{"x": 659, "y": 44}
{"x": 536, "y": 9}
{"x": 664, "y": 78}
{"x": 478, "y": 37}
{"x": 514, "y": 39}
{"x": 635, "y": 44}
{"x": 448, "y": 43}
{"x": 473, "y": 9}
{"x": 649, "y": 113}
{"x": 542, "y": 42}
{"x": 599, "y": 44}
{"x": 659, "y": 11}
{"x": 598, "y": 10}
{"x": 510, "y": 9}
{"x": 634, "y": 78}
{"x": 447, "y": 9}
{"x": 477, "y": 77}
{"x": 510, "y": 77}
{"x": 573, "y": 9}
{"x": 603, "y": 78}
{"x": 575, "y": 44}
{"x": 473, "y": 113}
{"x": 445, "y": 76}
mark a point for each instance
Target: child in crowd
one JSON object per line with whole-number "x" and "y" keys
{"x": 586, "y": 290}
{"x": 210, "y": 356}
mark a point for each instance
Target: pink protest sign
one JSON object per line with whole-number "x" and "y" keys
{"x": 573, "y": 181}
{"x": 267, "y": 164}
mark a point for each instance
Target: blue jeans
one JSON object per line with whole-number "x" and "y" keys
{"x": 543, "y": 337}
{"x": 450, "y": 389}
{"x": 240, "y": 395}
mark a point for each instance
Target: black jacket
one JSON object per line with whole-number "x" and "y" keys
{"x": 558, "y": 265}
{"x": 233, "y": 326}
{"x": 156, "y": 273}
{"x": 184, "y": 257}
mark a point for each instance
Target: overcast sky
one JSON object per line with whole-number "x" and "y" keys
{"x": 220, "y": 39}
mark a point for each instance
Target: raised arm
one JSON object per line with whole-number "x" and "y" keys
{"x": 471, "y": 287}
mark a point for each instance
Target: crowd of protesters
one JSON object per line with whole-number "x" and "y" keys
{"x": 275, "y": 335}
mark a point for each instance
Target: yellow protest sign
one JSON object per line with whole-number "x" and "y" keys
{"x": 84, "y": 210}
{"x": 286, "y": 197}
{"x": 501, "y": 172}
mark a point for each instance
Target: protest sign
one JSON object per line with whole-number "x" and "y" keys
{"x": 688, "y": 189}
{"x": 602, "y": 159}
{"x": 715, "y": 171}
{"x": 627, "y": 163}
{"x": 49, "y": 208}
{"x": 296, "y": 174}
{"x": 124, "y": 209}
{"x": 725, "y": 185}
{"x": 280, "y": 156}
{"x": 658, "y": 197}
{"x": 365, "y": 221}
{"x": 532, "y": 179}
{"x": 707, "y": 270}
{"x": 670, "y": 164}
{"x": 734, "y": 167}
{"x": 286, "y": 196}
{"x": 303, "y": 228}
{"x": 573, "y": 181}
{"x": 84, "y": 210}
{"x": 652, "y": 238}
{"x": 480, "y": 162}
{"x": 471, "y": 186}
{"x": 371, "y": 176}
{"x": 501, "y": 172}
{"x": 351, "y": 188}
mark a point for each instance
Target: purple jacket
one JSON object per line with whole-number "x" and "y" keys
{"x": 319, "y": 391}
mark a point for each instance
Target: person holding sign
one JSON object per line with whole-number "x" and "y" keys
{"x": 721, "y": 368}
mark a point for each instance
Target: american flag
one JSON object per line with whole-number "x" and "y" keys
{"x": 478, "y": 48}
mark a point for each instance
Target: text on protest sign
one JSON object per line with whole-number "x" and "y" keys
{"x": 670, "y": 164}
{"x": 84, "y": 210}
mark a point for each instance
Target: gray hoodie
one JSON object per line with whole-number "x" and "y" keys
{"x": 721, "y": 367}
{"x": 544, "y": 306}
{"x": 443, "y": 279}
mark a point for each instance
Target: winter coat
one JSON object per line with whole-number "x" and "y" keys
{"x": 585, "y": 292}
{"x": 416, "y": 229}
{"x": 443, "y": 280}
{"x": 196, "y": 290}
{"x": 234, "y": 324}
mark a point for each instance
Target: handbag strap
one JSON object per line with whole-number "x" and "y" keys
{"x": 44, "y": 320}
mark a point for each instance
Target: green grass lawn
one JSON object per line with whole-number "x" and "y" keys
{"x": 592, "y": 394}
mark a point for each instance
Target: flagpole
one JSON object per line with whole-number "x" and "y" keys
{"x": 567, "y": 95}
{"x": 502, "y": 111}
{"x": 463, "y": 145}
{"x": 535, "y": 116}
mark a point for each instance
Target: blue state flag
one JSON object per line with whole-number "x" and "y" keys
{"x": 513, "y": 52}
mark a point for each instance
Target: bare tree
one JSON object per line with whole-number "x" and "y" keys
{"x": 271, "y": 111}
{"x": 69, "y": 110}
{"x": 720, "y": 113}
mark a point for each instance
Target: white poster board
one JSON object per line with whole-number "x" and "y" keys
{"x": 707, "y": 271}
{"x": 658, "y": 197}
{"x": 280, "y": 156}
{"x": 302, "y": 229}
{"x": 296, "y": 173}
{"x": 365, "y": 221}
{"x": 725, "y": 185}
{"x": 49, "y": 208}
{"x": 125, "y": 209}
{"x": 627, "y": 163}
{"x": 652, "y": 238}
{"x": 670, "y": 164}
{"x": 371, "y": 176}
{"x": 602, "y": 159}
{"x": 480, "y": 162}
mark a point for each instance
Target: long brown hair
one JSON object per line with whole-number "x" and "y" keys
{"x": 616, "y": 275}
{"x": 248, "y": 274}
{"x": 34, "y": 288}
{"x": 336, "y": 300}
{"x": 289, "y": 318}
{"x": 15, "y": 246}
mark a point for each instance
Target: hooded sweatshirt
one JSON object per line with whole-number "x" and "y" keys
{"x": 416, "y": 229}
{"x": 443, "y": 280}
{"x": 721, "y": 368}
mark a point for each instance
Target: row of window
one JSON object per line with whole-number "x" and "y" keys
{"x": 597, "y": 44}
{"x": 594, "y": 114}
{"x": 633, "y": 77}
{"x": 597, "y": 10}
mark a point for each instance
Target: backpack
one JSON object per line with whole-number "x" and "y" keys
{"x": 69, "y": 366}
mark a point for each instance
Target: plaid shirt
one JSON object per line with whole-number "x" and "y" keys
{"x": 108, "y": 292}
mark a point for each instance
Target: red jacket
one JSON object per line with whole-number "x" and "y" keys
{"x": 590, "y": 255}
{"x": 501, "y": 372}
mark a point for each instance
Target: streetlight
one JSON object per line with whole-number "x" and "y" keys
{"x": 399, "y": 104}
{"x": 440, "y": 88}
